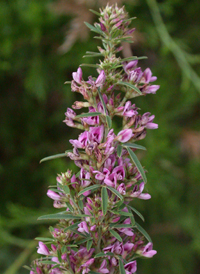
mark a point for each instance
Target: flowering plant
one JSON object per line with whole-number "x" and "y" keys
{"x": 97, "y": 231}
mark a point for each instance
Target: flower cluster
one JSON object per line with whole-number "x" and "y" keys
{"x": 97, "y": 231}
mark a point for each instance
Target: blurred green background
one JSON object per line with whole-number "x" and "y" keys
{"x": 41, "y": 44}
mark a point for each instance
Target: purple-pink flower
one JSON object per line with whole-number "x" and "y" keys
{"x": 43, "y": 249}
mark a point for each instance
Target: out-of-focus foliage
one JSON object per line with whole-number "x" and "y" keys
{"x": 32, "y": 105}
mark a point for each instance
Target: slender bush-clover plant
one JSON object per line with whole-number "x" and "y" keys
{"x": 96, "y": 230}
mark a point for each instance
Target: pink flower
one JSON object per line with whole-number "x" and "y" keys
{"x": 124, "y": 135}
{"x": 82, "y": 140}
{"x": 103, "y": 268}
{"x": 96, "y": 134}
{"x": 83, "y": 227}
{"x": 147, "y": 251}
{"x": 77, "y": 76}
{"x": 53, "y": 195}
{"x": 131, "y": 267}
{"x": 100, "y": 79}
{"x": 43, "y": 249}
{"x": 137, "y": 192}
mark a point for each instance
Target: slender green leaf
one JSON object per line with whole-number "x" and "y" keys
{"x": 69, "y": 206}
{"x": 143, "y": 231}
{"x": 83, "y": 241}
{"x": 49, "y": 262}
{"x": 121, "y": 225}
{"x": 109, "y": 121}
{"x": 71, "y": 227}
{"x": 102, "y": 101}
{"x": 119, "y": 151}
{"x": 136, "y": 212}
{"x": 115, "y": 192}
{"x": 101, "y": 254}
{"x": 130, "y": 86}
{"x": 93, "y": 272}
{"x": 27, "y": 267}
{"x": 66, "y": 189}
{"x": 89, "y": 244}
{"x": 67, "y": 82}
{"x": 137, "y": 163}
{"x": 71, "y": 246}
{"x": 121, "y": 268}
{"x": 93, "y": 187}
{"x": 131, "y": 217}
{"x": 95, "y": 12}
{"x": 63, "y": 249}
{"x": 123, "y": 213}
{"x": 44, "y": 239}
{"x": 132, "y": 58}
{"x": 92, "y": 28}
{"x": 59, "y": 255}
{"x": 89, "y": 65}
{"x": 133, "y": 145}
{"x": 54, "y": 157}
{"x": 104, "y": 199}
{"x": 80, "y": 204}
{"x": 116, "y": 235}
{"x": 89, "y": 114}
{"x": 59, "y": 216}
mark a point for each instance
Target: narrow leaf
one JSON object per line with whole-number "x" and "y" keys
{"x": 90, "y": 114}
{"x": 44, "y": 239}
{"x": 53, "y": 157}
{"x": 115, "y": 192}
{"x": 130, "y": 86}
{"x": 132, "y": 217}
{"x": 83, "y": 241}
{"x": 119, "y": 151}
{"x": 89, "y": 244}
{"x": 133, "y": 58}
{"x": 121, "y": 225}
{"x": 102, "y": 101}
{"x": 109, "y": 121}
{"x": 67, "y": 82}
{"x": 95, "y": 12}
{"x": 71, "y": 227}
{"x": 92, "y": 28}
{"x": 104, "y": 198}
{"x": 80, "y": 204}
{"x": 137, "y": 164}
{"x": 93, "y": 272}
{"x": 93, "y": 187}
{"x": 59, "y": 255}
{"x": 101, "y": 254}
{"x": 116, "y": 235}
{"x": 133, "y": 145}
{"x": 121, "y": 268}
{"x": 143, "y": 231}
{"x": 123, "y": 213}
{"x": 48, "y": 262}
{"x": 58, "y": 216}
{"x": 27, "y": 267}
{"x": 136, "y": 212}
{"x": 89, "y": 65}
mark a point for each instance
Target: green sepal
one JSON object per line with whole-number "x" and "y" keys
{"x": 137, "y": 163}
{"x": 116, "y": 235}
